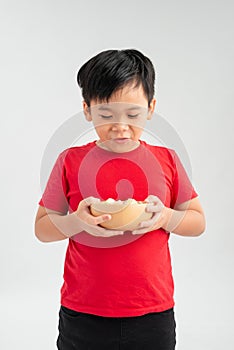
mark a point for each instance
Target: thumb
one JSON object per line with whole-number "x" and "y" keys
{"x": 90, "y": 200}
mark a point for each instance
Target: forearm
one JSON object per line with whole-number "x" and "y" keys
{"x": 53, "y": 227}
{"x": 184, "y": 222}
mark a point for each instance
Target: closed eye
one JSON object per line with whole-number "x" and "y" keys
{"x": 105, "y": 116}
{"x": 133, "y": 115}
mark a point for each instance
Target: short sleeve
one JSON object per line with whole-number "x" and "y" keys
{"x": 54, "y": 196}
{"x": 182, "y": 189}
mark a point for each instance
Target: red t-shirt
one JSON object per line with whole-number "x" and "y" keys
{"x": 126, "y": 275}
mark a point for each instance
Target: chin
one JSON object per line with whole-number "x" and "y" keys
{"x": 126, "y": 146}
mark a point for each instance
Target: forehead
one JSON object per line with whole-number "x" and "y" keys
{"x": 128, "y": 94}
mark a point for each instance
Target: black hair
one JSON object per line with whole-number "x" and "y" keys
{"x": 111, "y": 70}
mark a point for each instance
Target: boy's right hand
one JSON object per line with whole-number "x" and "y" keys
{"x": 89, "y": 223}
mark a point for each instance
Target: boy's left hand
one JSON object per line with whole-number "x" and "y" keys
{"x": 159, "y": 218}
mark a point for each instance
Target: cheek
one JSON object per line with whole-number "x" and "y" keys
{"x": 102, "y": 130}
{"x": 137, "y": 131}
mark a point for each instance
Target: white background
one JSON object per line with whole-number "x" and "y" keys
{"x": 43, "y": 43}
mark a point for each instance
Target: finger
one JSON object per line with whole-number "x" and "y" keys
{"x": 107, "y": 232}
{"x": 85, "y": 203}
{"x": 90, "y": 200}
{"x": 140, "y": 231}
{"x": 102, "y": 232}
{"x": 114, "y": 233}
{"x": 147, "y": 224}
{"x": 154, "y": 208}
{"x": 150, "y": 222}
{"x": 152, "y": 198}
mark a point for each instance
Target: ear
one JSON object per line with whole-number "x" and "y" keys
{"x": 151, "y": 108}
{"x": 86, "y": 111}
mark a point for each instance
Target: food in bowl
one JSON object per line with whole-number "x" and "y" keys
{"x": 125, "y": 215}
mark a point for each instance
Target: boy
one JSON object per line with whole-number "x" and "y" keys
{"x": 120, "y": 297}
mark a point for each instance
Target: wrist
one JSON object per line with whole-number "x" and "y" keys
{"x": 75, "y": 222}
{"x": 168, "y": 214}
{"x": 70, "y": 225}
{"x": 173, "y": 219}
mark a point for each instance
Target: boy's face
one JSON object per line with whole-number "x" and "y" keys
{"x": 120, "y": 122}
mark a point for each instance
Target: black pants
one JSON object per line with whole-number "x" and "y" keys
{"x": 80, "y": 331}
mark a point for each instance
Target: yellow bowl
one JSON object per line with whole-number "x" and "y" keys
{"x": 125, "y": 215}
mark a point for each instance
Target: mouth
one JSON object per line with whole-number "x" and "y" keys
{"x": 121, "y": 140}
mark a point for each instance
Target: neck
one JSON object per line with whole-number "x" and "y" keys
{"x": 134, "y": 145}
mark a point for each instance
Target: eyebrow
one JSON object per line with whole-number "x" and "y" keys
{"x": 103, "y": 108}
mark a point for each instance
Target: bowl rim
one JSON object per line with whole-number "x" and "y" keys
{"x": 125, "y": 205}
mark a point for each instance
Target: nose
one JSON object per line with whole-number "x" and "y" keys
{"x": 120, "y": 126}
